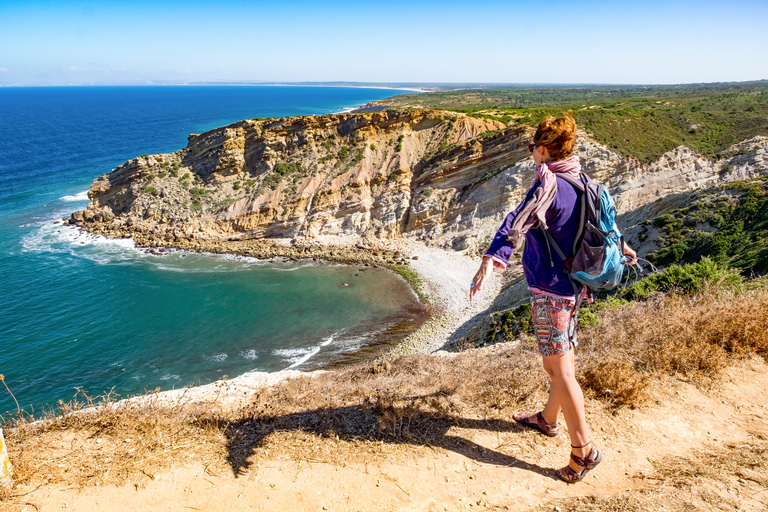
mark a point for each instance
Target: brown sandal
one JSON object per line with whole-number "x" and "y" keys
{"x": 591, "y": 461}
{"x": 536, "y": 421}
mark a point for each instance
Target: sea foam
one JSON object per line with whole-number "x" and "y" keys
{"x": 80, "y": 196}
{"x": 299, "y": 356}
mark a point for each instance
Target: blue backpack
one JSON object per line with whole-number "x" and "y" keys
{"x": 598, "y": 249}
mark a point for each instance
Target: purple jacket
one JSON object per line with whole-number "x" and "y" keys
{"x": 562, "y": 220}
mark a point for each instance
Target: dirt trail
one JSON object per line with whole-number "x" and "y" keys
{"x": 489, "y": 470}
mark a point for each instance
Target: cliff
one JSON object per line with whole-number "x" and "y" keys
{"x": 442, "y": 177}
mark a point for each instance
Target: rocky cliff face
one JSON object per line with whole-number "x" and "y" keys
{"x": 438, "y": 176}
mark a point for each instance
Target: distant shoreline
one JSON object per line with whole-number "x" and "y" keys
{"x": 347, "y": 86}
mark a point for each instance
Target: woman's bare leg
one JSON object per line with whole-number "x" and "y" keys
{"x": 566, "y": 395}
{"x": 551, "y": 411}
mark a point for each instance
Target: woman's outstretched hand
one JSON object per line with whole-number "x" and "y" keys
{"x": 630, "y": 254}
{"x": 477, "y": 282}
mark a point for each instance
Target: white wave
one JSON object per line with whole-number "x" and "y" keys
{"x": 299, "y": 356}
{"x": 58, "y": 238}
{"x": 218, "y": 357}
{"x": 80, "y": 196}
{"x": 249, "y": 354}
{"x": 170, "y": 376}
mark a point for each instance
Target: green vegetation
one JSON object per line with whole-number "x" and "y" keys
{"x": 638, "y": 121}
{"x": 373, "y": 147}
{"x": 690, "y": 279}
{"x": 509, "y": 324}
{"x": 281, "y": 171}
{"x": 151, "y": 191}
{"x": 736, "y": 218}
{"x": 197, "y": 193}
{"x": 413, "y": 280}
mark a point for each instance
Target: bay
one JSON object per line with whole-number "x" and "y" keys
{"x": 84, "y": 312}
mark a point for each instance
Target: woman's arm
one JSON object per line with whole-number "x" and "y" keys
{"x": 486, "y": 267}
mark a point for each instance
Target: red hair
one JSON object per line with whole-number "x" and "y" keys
{"x": 557, "y": 135}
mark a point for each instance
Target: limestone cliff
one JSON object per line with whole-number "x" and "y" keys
{"x": 442, "y": 177}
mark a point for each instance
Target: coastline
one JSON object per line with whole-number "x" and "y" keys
{"x": 444, "y": 275}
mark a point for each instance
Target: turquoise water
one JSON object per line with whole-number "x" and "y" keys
{"x": 79, "y": 311}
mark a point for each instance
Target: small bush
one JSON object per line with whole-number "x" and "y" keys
{"x": 691, "y": 279}
{"x": 151, "y": 191}
{"x": 197, "y": 193}
{"x": 508, "y": 325}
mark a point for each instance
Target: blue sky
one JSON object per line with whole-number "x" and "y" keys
{"x": 74, "y": 42}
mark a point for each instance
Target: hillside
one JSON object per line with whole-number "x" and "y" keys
{"x": 643, "y": 122}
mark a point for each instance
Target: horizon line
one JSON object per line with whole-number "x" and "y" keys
{"x": 415, "y": 86}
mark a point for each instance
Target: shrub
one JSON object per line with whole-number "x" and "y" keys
{"x": 691, "y": 279}
{"x": 151, "y": 191}
{"x": 507, "y": 325}
{"x": 373, "y": 147}
{"x": 196, "y": 193}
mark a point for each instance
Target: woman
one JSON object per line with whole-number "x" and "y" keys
{"x": 555, "y": 201}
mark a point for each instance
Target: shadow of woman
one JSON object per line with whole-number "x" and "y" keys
{"x": 400, "y": 425}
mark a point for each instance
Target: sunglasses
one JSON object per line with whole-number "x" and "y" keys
{"x": 531, "y": 146}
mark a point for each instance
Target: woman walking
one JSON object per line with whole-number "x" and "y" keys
{"x": 552, "y": 294}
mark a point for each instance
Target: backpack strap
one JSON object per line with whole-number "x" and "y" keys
{"x": 580, "y": 184}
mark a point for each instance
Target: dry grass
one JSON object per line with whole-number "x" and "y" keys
{"x": 115, "y": 442}
{"x": 731, "y": 477}
{"x": 686, "y": 337}
{"x": 380, "y": 408}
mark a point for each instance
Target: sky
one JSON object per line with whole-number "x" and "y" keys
{"x": 49, "y": 42}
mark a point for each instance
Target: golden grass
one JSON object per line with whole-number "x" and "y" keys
{"x": 686, "y": 337}
{"x": 387, "y": 407}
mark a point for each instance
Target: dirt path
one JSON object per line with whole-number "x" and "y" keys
{"x": 509, "y": 469}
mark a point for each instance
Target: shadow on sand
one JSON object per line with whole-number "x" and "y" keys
{"x": 405, "y": 425}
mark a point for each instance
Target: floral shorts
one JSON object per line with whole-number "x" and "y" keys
{"x": 552, "y": 324}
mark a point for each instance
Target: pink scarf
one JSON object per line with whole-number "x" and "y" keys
{"x": 533, "y": 212}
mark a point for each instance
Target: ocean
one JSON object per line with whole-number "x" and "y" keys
{"x": 81, "y": 312}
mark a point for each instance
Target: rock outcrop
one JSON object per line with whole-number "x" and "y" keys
{"x": 442, "y": 177}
